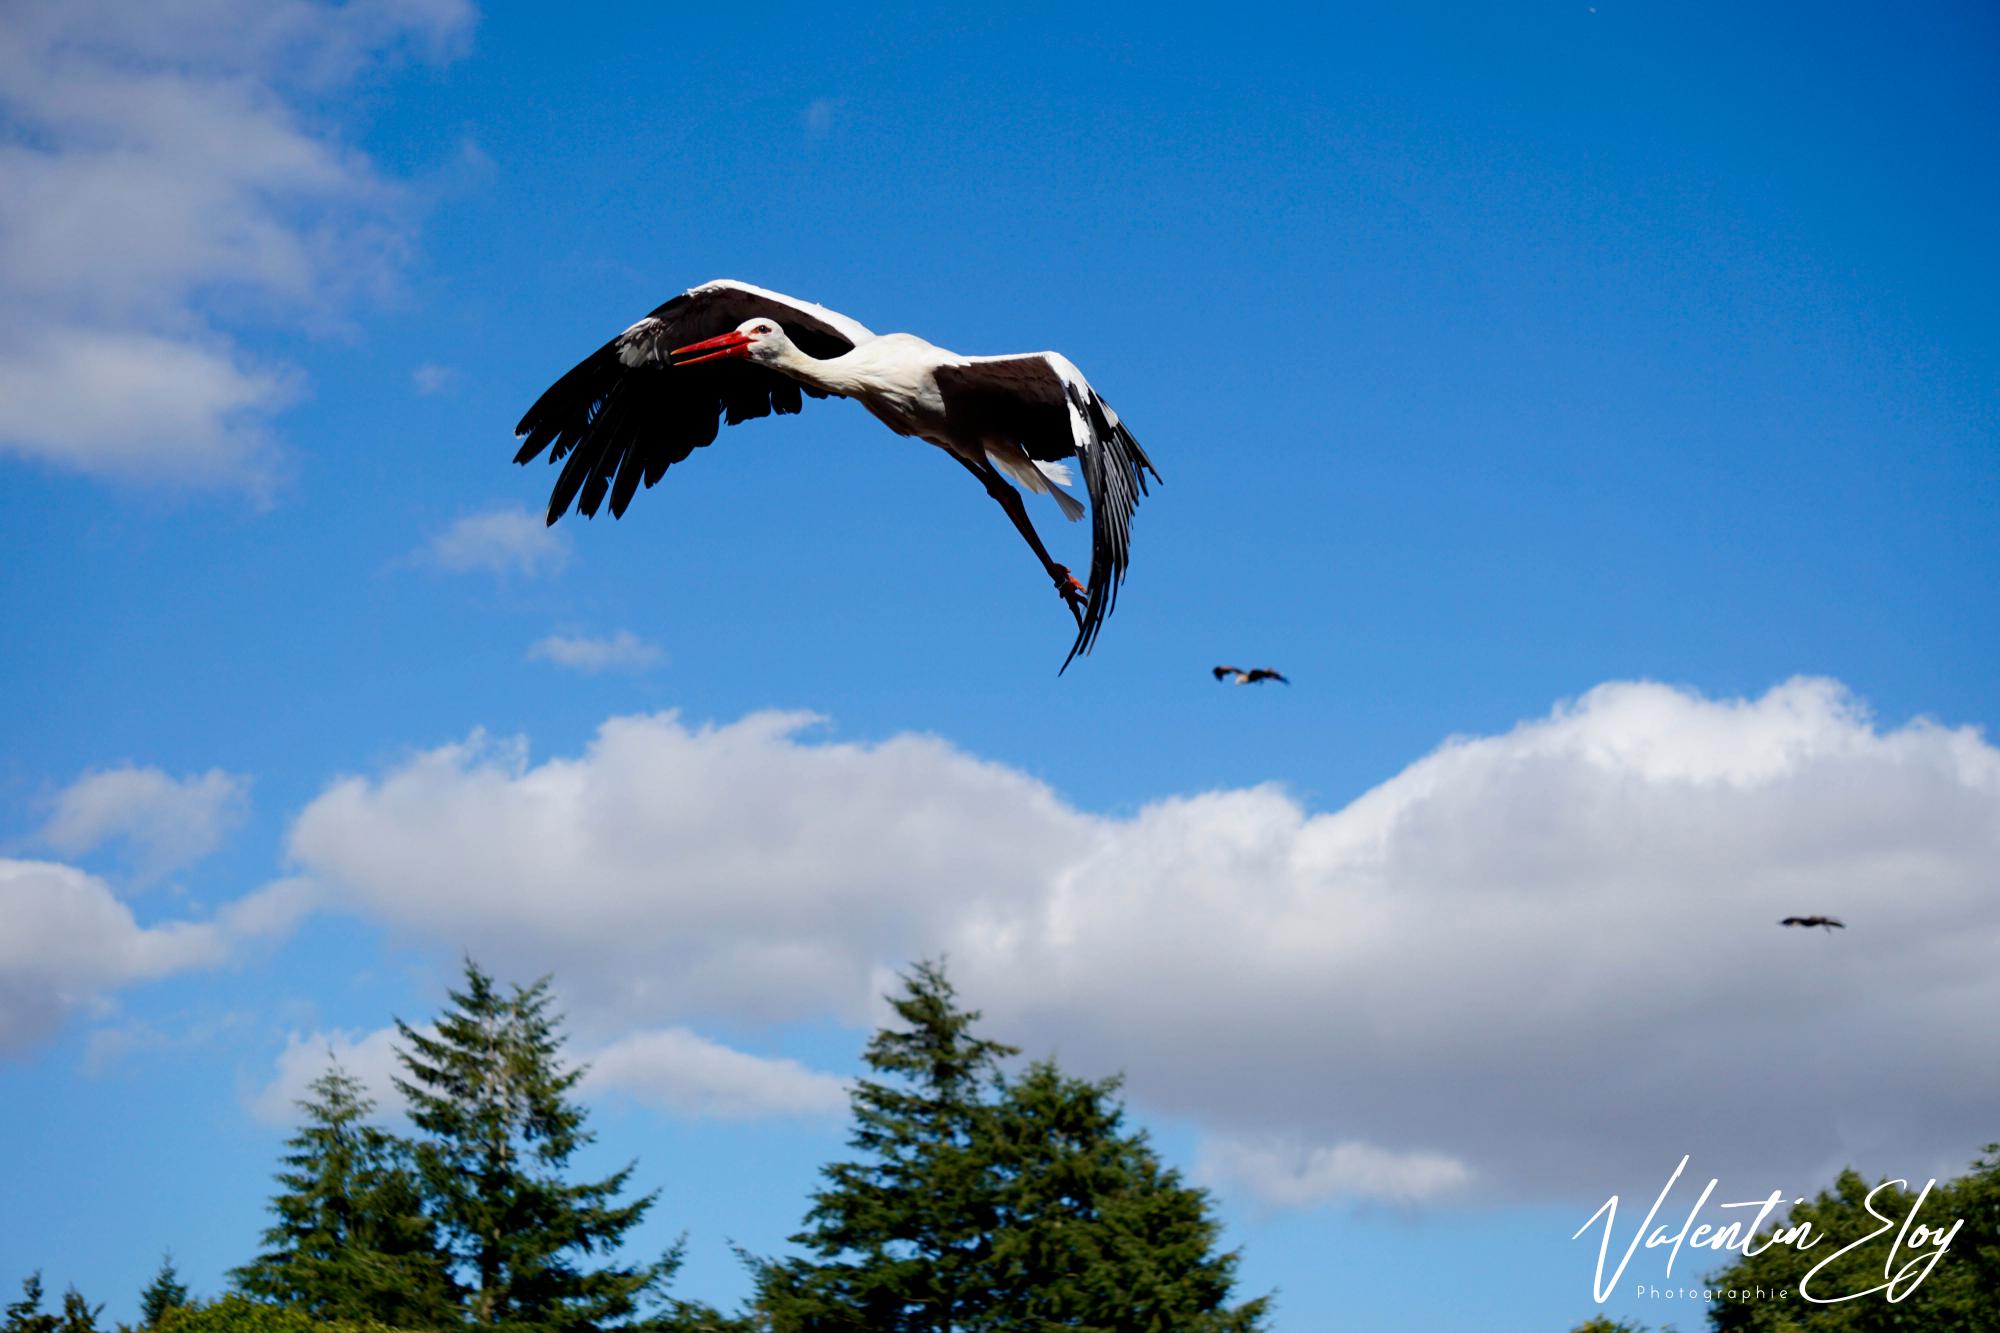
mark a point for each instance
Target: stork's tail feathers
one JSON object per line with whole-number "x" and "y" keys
{"x": 1059, "y": 476}
{"x": 1043, "y": 478}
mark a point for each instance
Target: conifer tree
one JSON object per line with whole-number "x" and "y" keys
{"x": 982, "y": 1205}
{"x": 165, "y": 1292}
{"x": 903, "y": 1236}
{"x": 490, "y": 1094}
{"x": 25, "y": 1315}
{"x": 1094, "y": 1232}
{"x": 78, "y": 1314}
{"x": 1860, "y": 1253}
{"x": 351, "y": 1240}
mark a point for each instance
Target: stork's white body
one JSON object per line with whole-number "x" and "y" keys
{"x": 894, "y": 376}
{"x": 640, "y": 404}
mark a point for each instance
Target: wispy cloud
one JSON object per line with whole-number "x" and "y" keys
{"x": 1282, "y": 1173}
{"x": 506, "y": 540}
{"x": 623, "y": 651}
{"x": 821, "y": 115}
{"x": 165, "y": 823}
{"x": 159, "y": 159}
{"x": 430, "y": 380}
{"x": 113, "y": 1045}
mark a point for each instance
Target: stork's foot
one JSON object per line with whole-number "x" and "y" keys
{"x": 1073, "y": 594}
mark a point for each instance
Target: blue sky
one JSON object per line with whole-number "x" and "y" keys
{"x": 1592, "y": 409}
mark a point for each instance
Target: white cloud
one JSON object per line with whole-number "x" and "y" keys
{"x": 165, "y": 822}
{"x": 679, "y": 1071}
{"x": 161, "y": 165}
{"x": 672, "y": 1069}
{"x": 1549, "y": 956}
{"x": 369, "y": 1057}
{"x": 500, "y": 541}
{"x": 672, "y": 866}
{"x": 139, "y": 406}
{"x": 1285, "y": 1174}
{"x": 623, "y": 651}
{"x": 68, "y": 945}
{"x": 68, "y": 942}
{"x": 270, "y": 912}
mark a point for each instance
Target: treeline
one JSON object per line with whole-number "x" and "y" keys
{"x": 1959, "y": 1294}
{"x": 977, "y": 1202}
{"x": 77, "y": 1315}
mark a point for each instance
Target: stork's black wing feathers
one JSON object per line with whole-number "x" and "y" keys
{"x": 1114, "y": 469}
{"x": 623, "y": 415}
{"x": 1224, "y": 673}
{"x": 1043, "y": 401}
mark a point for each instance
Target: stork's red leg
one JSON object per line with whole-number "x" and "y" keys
{"x": 1010, "y": 500}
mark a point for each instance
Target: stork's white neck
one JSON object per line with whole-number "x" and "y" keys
{"x": 836, "y": 375}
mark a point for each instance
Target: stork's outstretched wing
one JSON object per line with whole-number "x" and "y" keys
{"x": 1046, "y": 405}
{"x": 624, "y": 415}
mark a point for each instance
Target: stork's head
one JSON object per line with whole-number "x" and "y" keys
{"x": 756, "y": 339}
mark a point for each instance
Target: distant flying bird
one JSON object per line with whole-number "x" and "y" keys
{"x": 652, "y": 395}
{"x": 1826, "y": 921}
{"x": 1248, "y": 677}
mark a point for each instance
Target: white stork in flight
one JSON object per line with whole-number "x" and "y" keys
{"x": 652, "y": 395}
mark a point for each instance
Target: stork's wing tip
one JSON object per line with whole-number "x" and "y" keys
{"x": 1074, "y": 649}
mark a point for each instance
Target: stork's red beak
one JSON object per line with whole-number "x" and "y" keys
{"x": 731, "y": 343}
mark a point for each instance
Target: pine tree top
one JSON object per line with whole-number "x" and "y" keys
{"x": 165, "y": 1292}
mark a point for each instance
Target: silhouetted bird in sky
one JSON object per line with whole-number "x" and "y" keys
{"x": 1825, "y": 921}
{"x": 1249, "y": 677}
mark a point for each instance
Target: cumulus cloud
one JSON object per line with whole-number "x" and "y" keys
{"x": 1549, "y": 957}
{"x": 164, "y": 163}
{"x": 68, "y": 942}
{"x": 623, "y": 651}
{"x": 680, "y": 1071}
{"x": 672, "y": 1069}
{"x": 505, "y": 540}
{"x": 140, "y": 406}
{"x": 672, "y": 867}
{"x": 369, "y": 1057}
{"x": 1283, "y": 1174}
{"x": 166, "y": 823}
